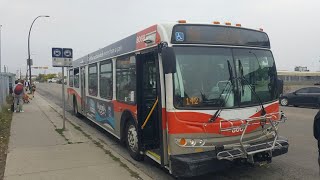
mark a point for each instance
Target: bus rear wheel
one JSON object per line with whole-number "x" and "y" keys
{"x": 132, "y": 141}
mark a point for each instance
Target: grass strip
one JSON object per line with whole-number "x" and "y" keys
{"x": 5, "y": 126}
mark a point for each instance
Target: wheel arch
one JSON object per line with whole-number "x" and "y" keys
{"x": 126, "y": 116}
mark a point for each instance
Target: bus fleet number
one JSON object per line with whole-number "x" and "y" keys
{"x": 192, "y": 101}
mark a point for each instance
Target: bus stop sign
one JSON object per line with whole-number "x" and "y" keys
{"x": 62, "y": 57}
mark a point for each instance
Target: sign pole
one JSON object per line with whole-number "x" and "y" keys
{"x": 62, "y": 57}
{"x": 63, "y": 100}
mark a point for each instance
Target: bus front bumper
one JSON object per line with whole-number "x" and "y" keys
{"x": 188, "y": 165}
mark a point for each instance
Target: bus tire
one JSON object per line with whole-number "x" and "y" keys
{"x": 75, "y": 108}
{"x": 131, "y": 139}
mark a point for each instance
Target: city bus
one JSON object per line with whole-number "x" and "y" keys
{"x": 195, "y": 98}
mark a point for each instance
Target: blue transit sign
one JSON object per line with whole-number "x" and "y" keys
{"x": 67, "y": 53}
{"x": 57, "y": 52}
{"x": 62, "y": 57}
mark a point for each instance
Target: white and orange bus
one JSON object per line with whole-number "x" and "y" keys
{"x": 192, "y": 97}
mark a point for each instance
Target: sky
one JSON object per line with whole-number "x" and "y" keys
{"x": 88, "y": 25}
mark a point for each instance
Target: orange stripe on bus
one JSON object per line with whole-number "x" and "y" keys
{"x": 193, "y": 122}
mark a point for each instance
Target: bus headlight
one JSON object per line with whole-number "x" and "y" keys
{"x": 190, "y": 142}
{"x": 193, "y": 142}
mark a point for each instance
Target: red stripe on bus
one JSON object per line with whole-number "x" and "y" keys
{"x": 198, "y": 122}
{"x": 120, "y": 107}
{"x": 73, "y": 92}
{"x": 140, "y": 44}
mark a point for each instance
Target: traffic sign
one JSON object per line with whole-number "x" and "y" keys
{"x": 40, "y": 67}
{"x": 62, "y": 57}
{"x": 57, "y": 52}
{"x": 67, "y": 53}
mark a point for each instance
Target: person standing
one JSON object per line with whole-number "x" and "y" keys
{"x": 33, "y": 89}
{"x": 316, "y": 134}
{"x": 18, "y": 93}
{"x": 26, "y": 85}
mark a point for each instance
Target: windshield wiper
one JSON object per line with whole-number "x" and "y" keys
{"x": 242, "y": 78}
{"x": 223, "y": 102}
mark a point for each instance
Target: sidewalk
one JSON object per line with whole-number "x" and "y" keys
{"x": 38, "y": 149}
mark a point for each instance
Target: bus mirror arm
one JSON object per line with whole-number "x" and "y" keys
{"x": 168, "y": 60}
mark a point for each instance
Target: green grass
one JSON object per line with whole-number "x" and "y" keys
{"x": 60, "y": 131}
{"x": 5, "y": 126}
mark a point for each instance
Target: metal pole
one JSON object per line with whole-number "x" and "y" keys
{"x": 0, "y": 47}
{"x": 29, "y": 60}
{"x": 63, "y": 101}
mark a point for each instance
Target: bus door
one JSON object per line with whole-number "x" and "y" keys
{"x": 148, "y": 102}
{"x": 83, "y": 89}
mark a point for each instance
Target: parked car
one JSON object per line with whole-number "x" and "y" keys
{"x": 53, "y": 80}
{"x": 309, "y": 96}
{"x": 317, "y": 83}
{"x": 60, "y": 81}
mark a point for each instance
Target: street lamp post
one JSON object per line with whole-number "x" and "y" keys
{"x": 29, "y": 60}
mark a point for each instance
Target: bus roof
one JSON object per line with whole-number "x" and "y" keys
{"x": 153, "y": 35}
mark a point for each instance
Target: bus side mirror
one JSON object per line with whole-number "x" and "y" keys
{"x": 280, "y": 86}
{"x": 168, "y": 60}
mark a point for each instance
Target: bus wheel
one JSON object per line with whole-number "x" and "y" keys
{"x": 75, "y": 108}
{"x": 132, "y": 141}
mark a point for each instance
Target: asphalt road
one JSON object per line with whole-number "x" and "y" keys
{"x": 299, "y": 163}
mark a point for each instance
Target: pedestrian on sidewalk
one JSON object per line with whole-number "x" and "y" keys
{"x": 33, "y": 89}
{"x": 26, "y": 85}
{"x": 18, "y": 93}
{"x": 316, "y": 133}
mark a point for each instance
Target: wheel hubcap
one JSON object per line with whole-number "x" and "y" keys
{"x": 133, "y": 138}
{"x": 284, "y": 101}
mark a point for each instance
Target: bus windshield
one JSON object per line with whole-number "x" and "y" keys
{"x": 204, "y": 80}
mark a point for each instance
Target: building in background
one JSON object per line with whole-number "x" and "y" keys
{"x": 301, "y": 69}
{"x": 299, "y": 77}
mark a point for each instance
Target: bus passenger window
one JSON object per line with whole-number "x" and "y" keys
{"x": 76, "y": 77}
{"x": 106, "y": 84}
{"x": 126, "y": 79}
{"x": 93, "y": 80}
{"x": 71, "y": 78}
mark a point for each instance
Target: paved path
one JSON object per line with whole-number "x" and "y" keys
{"x": 38, "y": 149}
